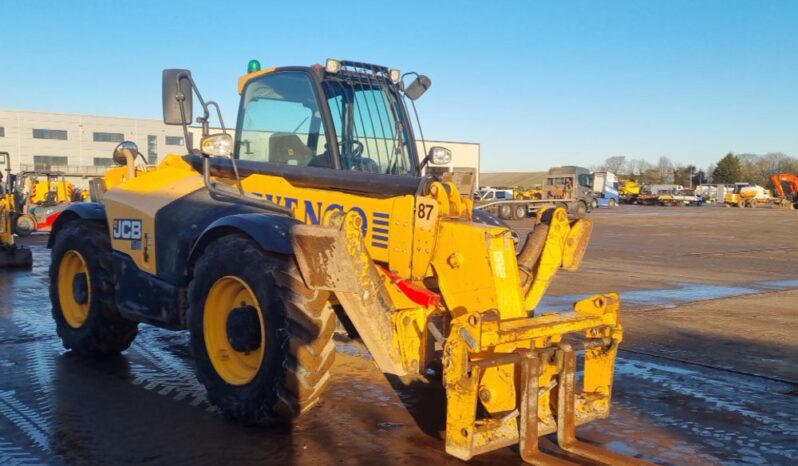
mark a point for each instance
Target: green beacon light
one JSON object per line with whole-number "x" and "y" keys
{"x": 253, "y": 66}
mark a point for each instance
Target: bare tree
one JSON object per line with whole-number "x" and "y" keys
{"x": 665, "y": 170}
{"x": 614, "y": 164}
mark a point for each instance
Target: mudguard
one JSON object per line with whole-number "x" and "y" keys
{"x": 79, "y": 210}
{"x": 272, "y": 232}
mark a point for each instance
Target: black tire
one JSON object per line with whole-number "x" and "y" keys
{"x": 25, "y": 225}
{"x": 104, "y": 331}
{"x": 520, "y": 212}
{"x": 581, "y": 209}
{"x": 299, "y": 322}
{"x": 505, "y": 212}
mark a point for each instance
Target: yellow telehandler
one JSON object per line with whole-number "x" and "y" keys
{"x": 11, "y": 254}
{"x": 316, "y": 207}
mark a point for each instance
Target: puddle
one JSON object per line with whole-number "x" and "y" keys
{"x": 670, "y": 298}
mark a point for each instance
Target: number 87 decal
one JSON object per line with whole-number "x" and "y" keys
{"x": 426, "y": 213}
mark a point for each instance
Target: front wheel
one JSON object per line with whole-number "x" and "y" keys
{"x": 581, "y": 209}
{"x": 25, "y": 225}
{"x": 594, "y": 204}
{"x": 612, "y": 204}
{"x": 82, "y": 291}
{"x": 261, "y": 339}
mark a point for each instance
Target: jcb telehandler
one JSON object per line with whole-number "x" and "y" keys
{"x": 317, "y": 207}
{"x": 11, "y": 254}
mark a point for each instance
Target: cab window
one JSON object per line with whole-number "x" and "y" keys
{"x": 281, "y": 123}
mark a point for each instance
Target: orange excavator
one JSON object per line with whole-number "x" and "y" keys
{"x": 788, "y": 200}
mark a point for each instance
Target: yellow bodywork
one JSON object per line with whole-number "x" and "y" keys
{"x": 40, "y": 186}
{"x": 629, "y": 188}
{"x": 7, "y": 208}
{"x": 420, "y": 280}
{"x": 740, "y": 199}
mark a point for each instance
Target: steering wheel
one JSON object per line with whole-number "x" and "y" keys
{"x": 357, "y": 147}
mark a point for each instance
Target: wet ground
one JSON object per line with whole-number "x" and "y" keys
{"x": 708, "y": 373}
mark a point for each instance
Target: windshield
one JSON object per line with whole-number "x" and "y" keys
{"x": 370, "y": 127}
{"x": 281, "y": 122}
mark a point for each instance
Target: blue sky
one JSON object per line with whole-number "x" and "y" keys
{"x": 537, "y": 83}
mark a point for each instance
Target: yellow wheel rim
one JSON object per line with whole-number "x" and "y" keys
{"x": 235, "y": 367}
{"x": 75, "y": 311}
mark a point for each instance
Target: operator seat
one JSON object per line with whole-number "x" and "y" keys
{"x": 288, "y": 149}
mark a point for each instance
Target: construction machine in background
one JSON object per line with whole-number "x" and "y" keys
{"x": 744, "y": 195}
{"x": 628, "y": 191}
{"x": 11, "y": 254}
{"x": 316, "y": 210}
{"x": 534, "y": 192}
{"x": 41, "y": 197}
{"x": 785, "y": 199}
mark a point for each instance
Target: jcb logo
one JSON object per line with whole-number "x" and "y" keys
{"x": 127, "y": 229}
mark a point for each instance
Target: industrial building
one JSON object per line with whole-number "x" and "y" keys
{"x": 80, "y": 146}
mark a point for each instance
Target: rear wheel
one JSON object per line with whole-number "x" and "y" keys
{"x": 82, "y": 291}
{"x": 520, "y": 212}
{"x": 594, "y": 204}
{"x": 505, "y": 211}
{"x": 752, "y": 203}
{"x": 261, "y": 339}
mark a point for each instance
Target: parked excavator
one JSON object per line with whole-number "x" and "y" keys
{"x": 786, "y": 199}
{"x": 318, "y": 208}
{"x": 11, "y": 254}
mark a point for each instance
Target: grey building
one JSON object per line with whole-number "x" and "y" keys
{"x": 81, "y": 146}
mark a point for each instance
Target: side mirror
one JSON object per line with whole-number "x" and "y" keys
{"x": 177, "y": 90}
{"x": 439, "y": 155}
{"x": 125, "y": 154}
{"x": 124, "y": 151}
{"x": 418, "y": 87}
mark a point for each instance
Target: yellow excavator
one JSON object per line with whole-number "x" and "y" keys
{"x": 316, "y": 210}
{"x": 629, "y": 191}
{"x": 11, "y": 254}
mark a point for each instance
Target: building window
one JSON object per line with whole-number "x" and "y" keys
{"x": 103, "y": 162}
{"x": 174, "y": 141}
{"x": 2, "y": 132}
{"x": 109, "y": 137}
{"x": 46, "y": 162}
{"x": 152, "y": 149}
{"x": 50, "y": 134}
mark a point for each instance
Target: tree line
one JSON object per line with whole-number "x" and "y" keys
{"x": 731, "y": 168}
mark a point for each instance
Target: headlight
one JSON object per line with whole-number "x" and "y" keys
{"x": 439, "y": 155}
{"x": 333, "y": 66}
{"x": 217, "y": 145}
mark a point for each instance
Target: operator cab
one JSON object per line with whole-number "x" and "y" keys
{"x": 346, "y": 116}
